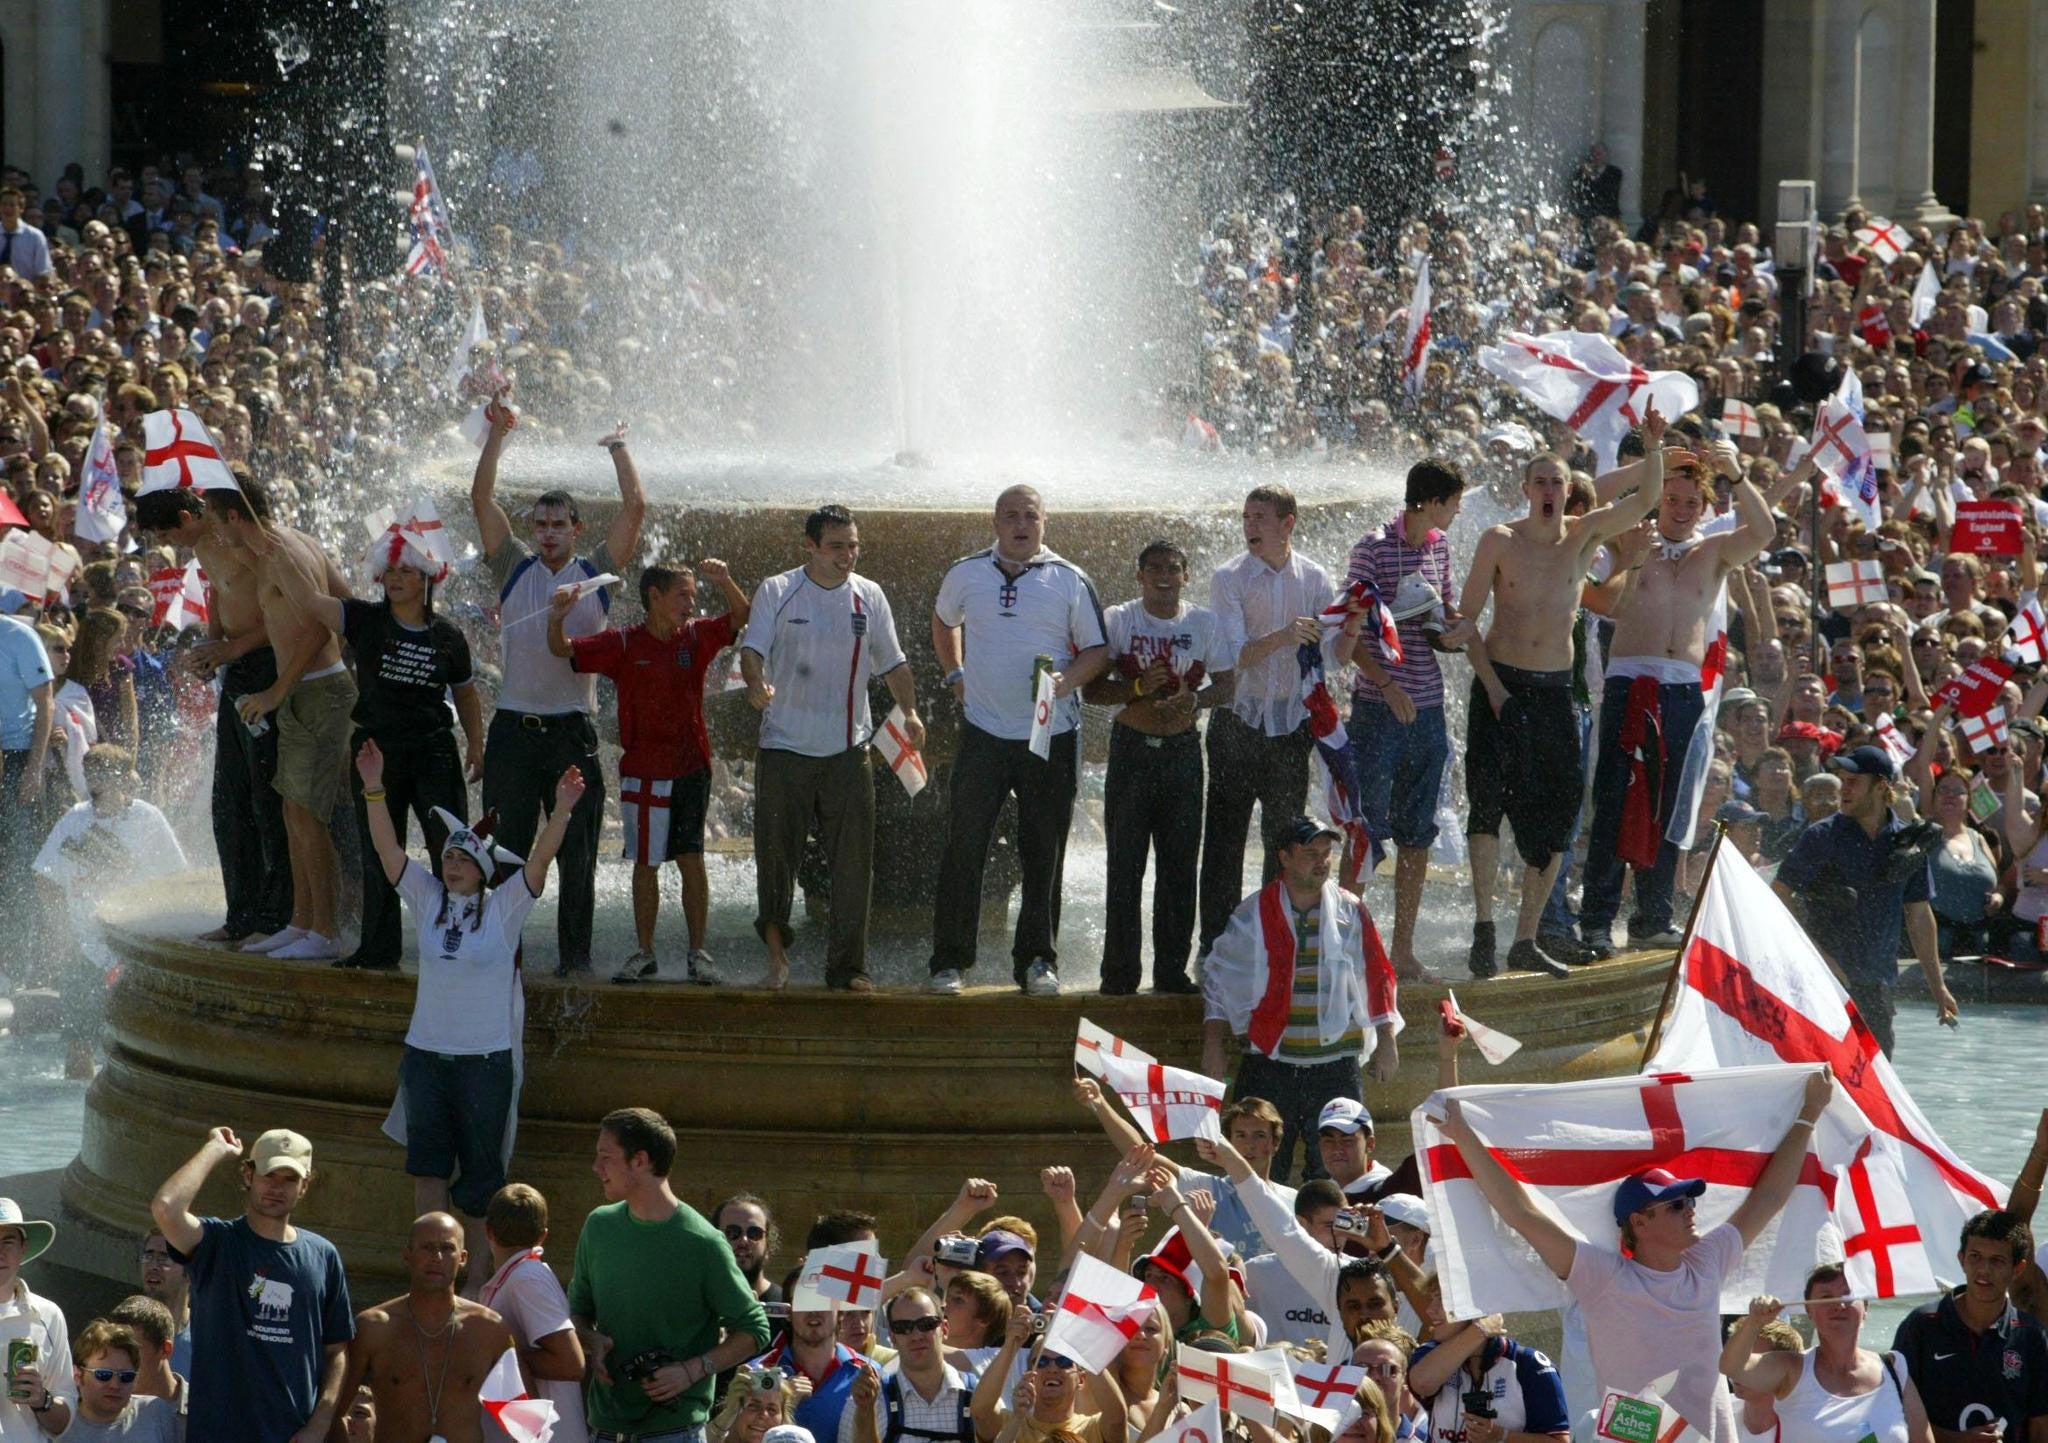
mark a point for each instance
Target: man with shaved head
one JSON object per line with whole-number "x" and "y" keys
{"x": 425, "y": 1355}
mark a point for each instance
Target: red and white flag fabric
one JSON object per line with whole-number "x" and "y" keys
{"x": 1166, "y": 1102}
{"x": 1042, "y": 707}
{"x": 25, "y": 560}
{"x": 1325, "y": 1385}
{"x": 2027, "y": 637}
{"x": 1091, "y": 1042}
{"x": 1586, "y": 382}
{"x": 1242, "y": 1383}
{"x": 179, "y": 454}
{"x": 1699, "y": 752}
{"x": 1985, "y": 730}
{"x": 1886, "y": 241}
{"x": 1738, "y": 419}
{"x": 1856, "y": 583}
{"x": 1754, "y": 989}
{"x": 1977, "y": 690}
{"x": 1841, "y": 449}
{"x": 1336, "y": 767}
{"x": 416, "y": 539}
{"x": 1204, "y": 1425}
{"x": 503, "y": 1394}
{"x": 1572, "y": 1144}
{"x": 433, "y": 236}
{"x": 1875, "y": 326}
{"x": 903, "y": 759}
{"x": 182, "y": 596}
{"x": 101, "y": 512}
{"x": 1838, "y": 441}
{"x": 1200, "y": 435}
{"x": 1496, "y": 1047}
{"x": 848, "y": 1275}
{"x": 1415, "y": 341}
{"x": 1897, "y": 745}
{"x": 1100, "y": 1311}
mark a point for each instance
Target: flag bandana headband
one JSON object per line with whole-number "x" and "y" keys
{"x": 401, "y": 544}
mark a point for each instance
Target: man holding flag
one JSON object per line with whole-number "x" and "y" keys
{"x": 1655, "y": 1299}
{"x": 1301, "y": 975}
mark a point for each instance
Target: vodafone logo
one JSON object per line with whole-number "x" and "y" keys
{"x": 1044, "y": 713}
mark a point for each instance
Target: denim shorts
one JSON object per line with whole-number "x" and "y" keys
{"x": 455, "y": 1110}
{"x": 1400, "y": 770}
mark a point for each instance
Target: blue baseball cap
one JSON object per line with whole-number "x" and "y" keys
{"x": 1648, "y": 1188}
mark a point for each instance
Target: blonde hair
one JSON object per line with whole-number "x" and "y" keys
{"x": 728, "y": 1416}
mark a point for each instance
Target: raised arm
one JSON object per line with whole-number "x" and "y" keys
{"x": 1758, "y": 530}
{"x": 493, "y": 526}
{"x": 1772, "y": 1373}
{"x": 977, "y": 1195}
{"x": 739, "y": 605}
{"x": 2026, "y": 1189}
{"x": 1216, "y": 1300}
{"x": 1508, "y": 1197}
{"x": 1774, "y": 1185}
{"x": 171, "y": 1208}
{"x": 623, "y": 540}
{"x": 300, "y": 587}
{"x": 568, "y": 791}
{"x": 995, "y": 1378}
{"x": 383, "y": 836}
{"x": 1057, "y": 1183}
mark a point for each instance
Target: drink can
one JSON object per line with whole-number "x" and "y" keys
{"x": 255, "y": 728}
{"x": 21, "y": 1354}
{"x": 1040, "y": 664}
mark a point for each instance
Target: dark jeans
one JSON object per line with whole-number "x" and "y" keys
{"x": 792, "y": 794}
{"x": 1299, "y": 1093}
{"x": 524, "y": 756}
{"x": 21, "y": 837}
{"x": 1601, "y": 900}
{"x": 455, "y": 1111}
{"x": 418, "y": 776}
{"x": 1558, "y": 918}
{"x": 986, "y": 770}
{"x": 248, "y": 814}
{"x": 1246, "y": 766}
{"x": 1152, "y": 802}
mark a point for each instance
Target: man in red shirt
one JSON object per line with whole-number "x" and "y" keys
{"x": 665, "y": 774}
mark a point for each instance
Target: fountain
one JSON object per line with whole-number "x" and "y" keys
{"x": 897, "y": 254}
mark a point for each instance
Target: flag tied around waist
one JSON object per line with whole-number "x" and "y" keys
{"x": 1166, "y": 1102}
{"x": 1572, "y": 1144}
{"x": 1100, "y": 1311}
{"x": 1753, "y": 990}
{"x": 503, "y": 1394}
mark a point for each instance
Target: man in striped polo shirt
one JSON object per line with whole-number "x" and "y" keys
{"x": 1398, "y": 738}
{"x": 1300, "y": 975}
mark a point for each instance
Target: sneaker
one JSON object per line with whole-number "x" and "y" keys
{"x": 701, "y": 971}
{"x": 1040, "y": 980}
{"x": 1119, "y": 989}
{"x": 1565, "y": 949}
{"x": 310, "y": 947}
{"x": 1528, "y": 957}
{"x": 270, "y": 942}
{"x": 945, "y": 982}
{"x": 640, "y": 967}
{"x": 1481, "y": 960}
{"x": 1601, "y": 948}
{"x": 1177, "y": 984}
{"x": 1664, "y": 941}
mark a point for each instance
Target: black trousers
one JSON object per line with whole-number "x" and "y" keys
{"x": 1246, "y": 766}
{"x": 524, "y": 756}
{"x": 1298, "y": 1092}
{"x": 986, "y": 770}
{"x": 248, "y": 814}
{"x": 1152, "y": 803}
{"x": 419, "y": 775}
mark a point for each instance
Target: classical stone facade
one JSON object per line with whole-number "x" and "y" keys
{"x": 55, "y": 95}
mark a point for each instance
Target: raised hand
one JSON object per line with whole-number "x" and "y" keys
{"x": 1057, "y": 1183}
{"x": 370, "y": 764}
{"x": 569, "y": 790}
{"x": 977, "y": 1195}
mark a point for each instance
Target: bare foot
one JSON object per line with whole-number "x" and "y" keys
{"x": 860, "y": 983}
{"x": 218, "y": 934}
{"x": 778, "y": 974}
{"x": 1410, "y": 970}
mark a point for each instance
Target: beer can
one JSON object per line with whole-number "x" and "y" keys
{"x": 1040, "y": 664}
{"x": 21, "y": 1355}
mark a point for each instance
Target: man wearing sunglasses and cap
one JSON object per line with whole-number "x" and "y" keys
{"x": 40, "y": 1391}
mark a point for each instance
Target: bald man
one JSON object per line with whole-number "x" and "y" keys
{"x": 425, "y": 1355}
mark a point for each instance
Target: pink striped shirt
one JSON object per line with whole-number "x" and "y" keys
{"x": 1382, "y": 558}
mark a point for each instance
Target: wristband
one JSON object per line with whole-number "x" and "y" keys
{"x": 615, "y": 446}
{"x": 1137, "y": 686}
{"x": 376, "y": 796}
{"x": 1800, "y": 1122}
{"x": 955, "y": 675}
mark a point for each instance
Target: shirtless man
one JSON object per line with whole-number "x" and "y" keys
{"x": 425, "y": 1355}
{"x": 248, "y": 814}
{"x": 1653, "y": 670}
{"x": 313, "y": 697}
{"x": 1522, "y": 752}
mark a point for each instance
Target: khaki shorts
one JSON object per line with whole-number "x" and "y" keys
{"x": 312, "y": 743}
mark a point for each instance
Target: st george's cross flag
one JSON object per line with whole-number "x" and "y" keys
{"x": 902, "y": 759}
{"x": 1897, "y": 745}
{"x": 182, "y": 597}
{"x": 25, "y": 562}
{"x": 504, "y": 1396}
{"x": 1092, "y": 1041}
{"x": 848, "y": 1275}
{"x": 179, "y": 454}
{"x": 1754, "y": 990}
{"x": 1415, "y": 340}
{"x": 2027, "y": 638}
{"x": 1251, "y": 1385}
{"x": 1572, "y": 1144}
{"x": 1100, "y": 1310}
{"x": 1325, "y": 1385}
{"x": 1985, "y": 730}
{"x": 101, "y": 512}
{"x": 1855, "y": 583}
{"x": 1586, "y": 382}
{"x": 1886, "y": 241}
{"x": 1739, "y": 420}
{"x": 1167, "y": 1103}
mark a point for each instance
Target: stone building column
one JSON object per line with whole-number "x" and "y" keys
{"x": 1621, "y": 106}
{"x": 1916, "y": 115}
{"x": 62, "y": 78}
{"x": 1840, "y": 125}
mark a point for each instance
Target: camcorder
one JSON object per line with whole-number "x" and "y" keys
{"x": 642, "y": 1366}
{"x": 956, "y": 1252}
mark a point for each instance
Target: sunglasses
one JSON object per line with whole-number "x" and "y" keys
{"x": 1383, "y": 1370}
{"x": 734, "y": 1232}
{"x": 108, "y": 1375}
{"x": 1053, "y": 1360}
{"x": 914, "y": 1325}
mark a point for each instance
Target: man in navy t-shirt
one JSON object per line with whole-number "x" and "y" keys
{"x": 271, "y": 1320}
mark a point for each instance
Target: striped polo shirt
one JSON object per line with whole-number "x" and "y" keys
{"x": 1302, "y": 1042}
{"x": 1382, "y": 558}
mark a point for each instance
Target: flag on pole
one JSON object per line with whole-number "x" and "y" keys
{"x": 1586, "y": 382}
{"x": 1754, "y": 989}
{"x": 1091, "y": 1042}
{"x": 1985, "y": 730}
{"x": 1242, "y": 1383}
{"x": 180, "y": 454}
{"x": 903, "y": 759}
{"x": 1926, "y": 294}
{"x": 464, "y": 360}
{"x": 101, "y": 511}
{"x": 1166, "y": 1102}
{"x": 1100, "y": 1311}
{"x": 1886, "y": 241}
{"x": 1040, "y": 743}
{"x": 1495, "y": 1047}
{"x": 2027, "y": 637}
{"x": 1855, "y": 583}
{"x": 1738, "y": 419}
{"x": 1897, "y": 745}
{"x": 1572, "y": 1144}
{"x": 432, "y": 234}
{"x": 1325, "y": 1385}
{"x": 1415, "y": 343}
{"x": 504, "y": 1396}
{"x": 851, "y": 1274}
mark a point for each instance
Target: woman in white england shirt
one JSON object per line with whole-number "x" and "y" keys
{"x": 458, "y": 1096}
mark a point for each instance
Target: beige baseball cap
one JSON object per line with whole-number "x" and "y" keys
{"x": 281, "y": 1147}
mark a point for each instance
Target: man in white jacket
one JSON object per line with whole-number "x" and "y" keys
{"x": 1301, "y": 975}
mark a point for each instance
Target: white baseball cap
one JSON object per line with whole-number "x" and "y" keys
{"x": 1406, "y": 1207}
{"x": 1346, "y": 1114}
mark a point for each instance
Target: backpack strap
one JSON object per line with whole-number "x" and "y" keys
{"x": 1891, "y": 1369}
{"x": 892, "y": 1403}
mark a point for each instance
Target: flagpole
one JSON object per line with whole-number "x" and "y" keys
{"x": 1685, "y": 945}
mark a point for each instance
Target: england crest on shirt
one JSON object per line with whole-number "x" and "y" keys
{"x": 1006, "y": 596}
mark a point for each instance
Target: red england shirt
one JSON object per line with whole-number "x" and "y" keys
{"x": 661, "y": 692}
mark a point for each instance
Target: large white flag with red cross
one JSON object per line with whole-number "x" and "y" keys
{"x": 503, "y": 1394}
{"x": 1587, "y": 383}
{"x": 848, "y": 1275}
{"x": 1100, "y": 1311}
{"x": 1166, "y": 1102}
{"x": 1886, "y": 241}
{"x": 180, "y": 454}
{"x": 1572, "y": 1144}
{"x": 1325, "y": 1385}
{"x": 1755, "y": 990}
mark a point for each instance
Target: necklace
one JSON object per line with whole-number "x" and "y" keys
{"x": 426, "y": 1361}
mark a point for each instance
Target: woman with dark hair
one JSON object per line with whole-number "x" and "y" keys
{"x": 408, "y": 661}
{"x": 1839, "y": 1392}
